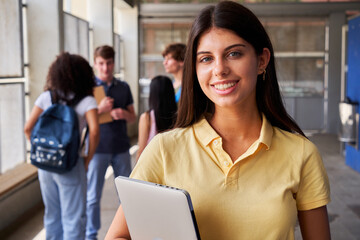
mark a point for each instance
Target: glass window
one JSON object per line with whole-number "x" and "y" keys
{"x": 149, "y": 69}
{"x": 156, "y": 35}
{"x": 296, "y": 34}
{"x": 299, "y": 46}
{"x": 301, "y": 76}
{"x": 12, "y": 141}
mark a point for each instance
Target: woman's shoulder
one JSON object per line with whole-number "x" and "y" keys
{"x": 45, "y": 95}
{"x": 88, "y": 100}
{"x": 169, "y": 142}
{"x": 293, "y": 141}
{"x": 87, "y": 103}
{"x": 44, "y": 100}
{"x": 144, "y": 116}
{"x": 175, "y": 134}
{"x": 144, "y": 119}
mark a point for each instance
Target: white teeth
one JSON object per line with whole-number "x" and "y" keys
{"x": 224, "y": 86}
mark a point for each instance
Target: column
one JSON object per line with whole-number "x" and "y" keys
{"x": 100, "y": 14}
{"x": 45, "y": 34}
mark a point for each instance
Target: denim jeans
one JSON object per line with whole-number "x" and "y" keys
{"x": 64, "y": 197}
{"x": 96, "y": 172}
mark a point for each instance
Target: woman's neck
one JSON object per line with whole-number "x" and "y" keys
{"x": 238, "y": 129}
{"x": 241, "y": 121}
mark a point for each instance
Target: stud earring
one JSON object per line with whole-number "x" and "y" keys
{"x": 264, "y": 75}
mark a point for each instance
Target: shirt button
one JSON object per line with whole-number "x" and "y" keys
{"x": 226, "y": 163}
{"x": 216, "y": 142}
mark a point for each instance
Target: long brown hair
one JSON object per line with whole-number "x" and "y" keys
{"x": 162, "y": 101}
{"x": 240, "y": 20}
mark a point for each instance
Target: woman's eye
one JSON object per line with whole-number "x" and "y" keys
{"x": 205, "y": 59}
{"x": 234, "y": 54}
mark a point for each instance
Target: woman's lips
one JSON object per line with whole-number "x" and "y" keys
{"x": 224, "y": 86}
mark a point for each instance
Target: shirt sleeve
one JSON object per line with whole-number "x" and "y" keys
{"x": 314, "y": 188}
{"x": 150, "y": 164}
{"x": 86, "y": 104}
{"x": 43, "y": 101}
{"x": 90, "y": 103}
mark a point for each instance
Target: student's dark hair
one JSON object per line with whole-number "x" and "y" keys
{"x": 240, "y": 20}
{"x": 105, "y": 51}
{"x": 162, "y": 101}
{"x": 70, "y": 74}
{"x": 177, "y": 51}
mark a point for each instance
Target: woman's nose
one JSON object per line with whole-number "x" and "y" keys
{"x": 220, "y": 68}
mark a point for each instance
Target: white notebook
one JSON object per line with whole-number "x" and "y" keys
{"x": 156, "y": 212}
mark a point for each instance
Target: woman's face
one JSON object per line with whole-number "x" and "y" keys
{"x": 227, "y": 68}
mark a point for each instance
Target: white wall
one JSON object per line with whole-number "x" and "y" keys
{"x": 126, "y": 24}
{"x": 45, "y": 41}
{"x": 100, "y": 16}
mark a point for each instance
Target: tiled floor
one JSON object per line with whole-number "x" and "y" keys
{"x": 344, "y": 209}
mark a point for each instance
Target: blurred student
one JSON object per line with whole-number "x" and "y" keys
{"x": 161, "y": 114}
{"x": 70, "y": 79}
{"x": 249, "y": 169}
{"x": 113, "y": 148}
{"x": 173, "y": 63}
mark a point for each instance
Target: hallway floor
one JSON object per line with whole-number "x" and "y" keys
{"x": 344, "y": 208}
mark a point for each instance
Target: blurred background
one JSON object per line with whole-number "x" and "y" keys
{"x": 316, "y": 45}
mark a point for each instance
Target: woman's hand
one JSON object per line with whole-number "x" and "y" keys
{"x": 118, "y": 228}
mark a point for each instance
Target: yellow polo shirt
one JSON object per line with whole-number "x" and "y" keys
{"x": 256, "y": 197}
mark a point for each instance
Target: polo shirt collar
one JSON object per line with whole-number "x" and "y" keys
{"x": 266, "y": 132}
{"x": 103, "y": 83}
{"x": 206, "y": 134}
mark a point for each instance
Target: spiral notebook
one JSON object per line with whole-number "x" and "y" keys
{"x": 156, "y": 212}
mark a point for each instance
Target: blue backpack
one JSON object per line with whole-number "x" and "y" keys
{"x": 55, "y": 139}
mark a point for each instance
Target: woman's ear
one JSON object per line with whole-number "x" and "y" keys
{"x": 263, "y": 60}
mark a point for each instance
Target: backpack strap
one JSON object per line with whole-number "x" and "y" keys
{"x": 72, "y": 103}
{"x": 82, "y": 143}
{"x": 52, "y": 97}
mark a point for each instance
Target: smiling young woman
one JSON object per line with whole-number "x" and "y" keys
{"x": 248, "y": 167}
{"x": 227, "y": 68}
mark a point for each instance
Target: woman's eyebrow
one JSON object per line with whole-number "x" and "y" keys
{"x": 226, "y": 49}
{"x": 235, "y": 45}
{"x": 202, "y": 52}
